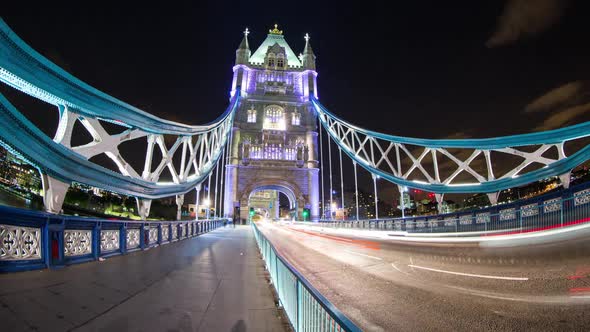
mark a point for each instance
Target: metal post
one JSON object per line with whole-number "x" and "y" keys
{"x": 330, "y": 165}
{"x": 216, "y": 182}
{"x": 322, "y": 167}
{"x": 222, "y": 192}
{"x": 209, "y": 197}
{"x": 341, "y": 183}
{"x": 356, "y": 190}
{"x": 198, "y": 188}
{"x": 375, "y": 187}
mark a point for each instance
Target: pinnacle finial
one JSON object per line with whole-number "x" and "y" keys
{"x": 246, "y": 32}
{"x": 275, "y": 31}
{"x": 307, "y": 38}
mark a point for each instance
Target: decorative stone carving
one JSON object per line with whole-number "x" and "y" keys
{"x": 77, "y": 242}
{"x": 19, "y": 243}
{"x": 109, "y": 240}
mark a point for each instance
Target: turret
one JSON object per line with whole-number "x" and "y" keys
{"x": 243, "y": 51}
{"x": 309, "y": 74}
{"x": 240, "y": 69}
{"x": 308, "y": 57}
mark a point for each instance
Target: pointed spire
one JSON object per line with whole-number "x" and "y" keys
{"x": 244, "y": 44}
{"x": 308, "y": 58}
{"x": 243, "y": 51}
{"x": 307, "y": 49}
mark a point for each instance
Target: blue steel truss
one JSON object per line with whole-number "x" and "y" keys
{"x": 23, "y": 68}
{"x": 382, "y": 155}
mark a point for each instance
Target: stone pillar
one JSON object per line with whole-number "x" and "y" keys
{"x": 143, "y": 207}
{"x": 231, "y": 189}
{"x": 54, "y": 193}
{"x": 314, "y": 193}
{"x": 179, "y": 202}
{"x": 311, "y": 139}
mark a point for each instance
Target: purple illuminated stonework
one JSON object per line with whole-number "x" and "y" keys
{"x": 274, "y": 145}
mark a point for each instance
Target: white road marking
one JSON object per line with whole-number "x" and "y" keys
{"x": 470, "y": 274}
{"x": 395, "y": 267}
{"x": 356, "y": 253}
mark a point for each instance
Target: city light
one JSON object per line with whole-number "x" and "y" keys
{"x": 206, "y": 202}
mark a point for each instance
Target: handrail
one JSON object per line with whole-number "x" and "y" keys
{"x": 37, "y": 240}
{"x": 553, "y": 210}
{"x": 296, "y": 294}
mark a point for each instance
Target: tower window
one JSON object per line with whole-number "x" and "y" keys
{"x": 296, "y": 119}
{"x": 271, "y": 62}
{"x": 252, "y": 116}
{"x": 280, "y": 63}
{"x": 274, "y": 118}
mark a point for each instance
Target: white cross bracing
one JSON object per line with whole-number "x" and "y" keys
{"x": 197, "y": 155}
{"x": 448, "y": 166}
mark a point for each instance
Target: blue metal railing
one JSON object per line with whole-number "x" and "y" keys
{"x": 557, "y": 209}
{"x": 35, "y": 240}
{"x": 306, "y": 308}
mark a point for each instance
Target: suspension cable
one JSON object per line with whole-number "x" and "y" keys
{"x": 341, "y": 183}
{"x": 356, "y": 190}
{"x": 330, "y": 165}
{"x": 216, "y": 183}
{"x": 322, "y": 168}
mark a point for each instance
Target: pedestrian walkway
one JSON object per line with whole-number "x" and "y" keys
{"x": 213, "y": 282}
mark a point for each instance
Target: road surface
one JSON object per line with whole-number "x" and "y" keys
{"x": 386, "y": 285}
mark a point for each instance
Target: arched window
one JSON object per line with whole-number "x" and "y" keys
{"x": 251, "y": 116}
{"x": 280, "y": 62}
{"x": 274, "y": 118}
{"x": 296, "y": 119}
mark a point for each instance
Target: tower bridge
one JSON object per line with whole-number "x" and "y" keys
{"x": 275, "y": 137}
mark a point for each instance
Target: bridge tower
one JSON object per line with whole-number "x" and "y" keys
{"x": 274, "y": 145}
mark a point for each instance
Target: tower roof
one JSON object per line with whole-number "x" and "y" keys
{"x": 275, "y": 36}
{"x": 307, "y": 49}
{"x": 244, "y": 44}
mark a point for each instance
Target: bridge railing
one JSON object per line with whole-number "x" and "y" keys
{"x": 35, "y": 240}
{"x": 306, "y": 308}
{"x": 563, "y": 208}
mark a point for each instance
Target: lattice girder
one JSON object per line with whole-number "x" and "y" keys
{"x": 435, "y": 165}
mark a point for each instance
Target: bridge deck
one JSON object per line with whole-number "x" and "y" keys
{"x": 214, "y": 282}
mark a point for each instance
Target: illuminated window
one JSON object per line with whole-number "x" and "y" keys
{"x": 274, "y": 118}
{"x": 296, "y": 119}
{"x": 271, "y": 62}
{"x": 280, "y": 63}
{"x": 252, "y": 116}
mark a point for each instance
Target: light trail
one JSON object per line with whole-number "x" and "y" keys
{"x": 469, "y": 274}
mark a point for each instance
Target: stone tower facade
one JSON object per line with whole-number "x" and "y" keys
{"x": 274, "y": 144}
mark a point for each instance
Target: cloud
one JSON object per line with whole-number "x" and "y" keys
{"x": 562, "y": 105}
{"x": 563, "y": 118}
{"x": 564, "y": 95}
{"x": 526, "y": 18}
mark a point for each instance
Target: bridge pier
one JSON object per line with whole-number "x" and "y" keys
{"x": 565, "y": 179}
{"x": 54, "y": 192}
{"x": 493, "y": 197}
{"x": 143, "y": 207}
{"x": 179, "y": 202}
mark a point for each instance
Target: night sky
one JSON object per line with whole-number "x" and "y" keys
{"x": 424, "y": 68}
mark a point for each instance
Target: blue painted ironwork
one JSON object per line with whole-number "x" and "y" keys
{"x": 66, "y": 240}
{"x": 554, "y": 210}
{"x": 306, "y": 308}
{"x": 24, "y": 69}
{"x": 372, "y": 150}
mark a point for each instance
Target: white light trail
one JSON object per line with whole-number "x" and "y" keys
{"x": 470, "y": 274}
